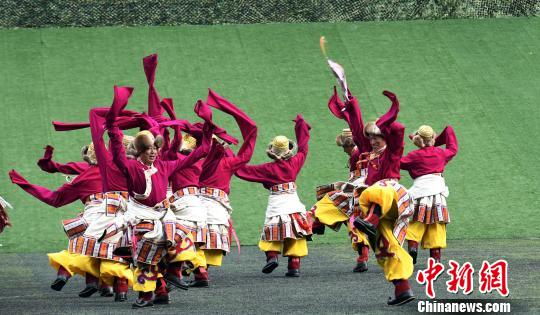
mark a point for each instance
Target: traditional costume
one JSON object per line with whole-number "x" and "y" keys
{"x": 150, "y": 222}
{"x": 286, "y": 224}
{"x": 215, "y": 180}
{"x": 385, "y": 205}
{"x": 87, "y": 188}
{"x": 429, "y": 192}
{"x": 335, "y": 201}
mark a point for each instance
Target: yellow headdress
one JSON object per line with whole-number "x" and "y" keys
{"x": 281, "y": 148}
{"x": 189, "y": 143}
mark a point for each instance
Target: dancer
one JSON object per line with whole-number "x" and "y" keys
{"x": 215, "y": 180}
{"x": 87, "y": 188}
{"x": 286, "y": 225}
{"x": 335, "y": 201}
{"x": 429, "y": 192}
{"x": 385, "y": 205}
{"x": 148, "y": 208}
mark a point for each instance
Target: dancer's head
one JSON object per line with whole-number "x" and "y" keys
{"x": 147, "y": 146}
{"x": 373, "y": 133}
{"x": 89, "y": 154}
{"x": 424, "y": 137}
{"x": 189, "y": 143}
{"x": 345, "y": 140}
{"x": 281, "y": 148}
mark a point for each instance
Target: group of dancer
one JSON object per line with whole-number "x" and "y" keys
{"x": 156, "y": 205}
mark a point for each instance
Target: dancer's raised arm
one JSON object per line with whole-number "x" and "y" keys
{"x": 47, "y": 164}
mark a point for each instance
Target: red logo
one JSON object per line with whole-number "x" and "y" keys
{"x": 494, "y": 277}
{"x": 460, "y": 277}
{"x": 491, "y": 277}
{"x": 429, "y": 275}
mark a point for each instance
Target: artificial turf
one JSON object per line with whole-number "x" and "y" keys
{"x": 481, "y": 76}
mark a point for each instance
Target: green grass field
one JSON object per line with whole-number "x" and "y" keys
{"x": 481, "y": 76}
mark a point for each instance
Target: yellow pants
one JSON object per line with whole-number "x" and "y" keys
{"x": 213, "y": 257}
{"x": 328, "y": 214}
{"x": 393, "y": 259}
{"x": 291, "y": 247}
{"x": 429, "y": 235}
{"x": 109, "y": 269}
{"x": 145, "y": 280}
{"x": 61, "y": 259}
{"x": 81, "y": 265}
{"x": 200, "y": 259}
{"x": 188, "y": 254}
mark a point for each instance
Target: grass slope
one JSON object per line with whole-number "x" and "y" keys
{"x": 481, "y": 76}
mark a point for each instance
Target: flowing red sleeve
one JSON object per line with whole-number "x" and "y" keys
{"x": 211, "y": 162}
{"x": 97, "y": 129}
{"x": 254, "y": 173}
{"x": 121, "y": 97}
{"x": 301, "y": 130}
{"x": 197, "y": 154}
{"x": 394, "y": 141}
{"x": 71, "y": 168}
{"x": 353, "y": 117}
{"x": 154, "y": 108}
{"x": 64, "y": 195}
{"x": 384, "y": 123}
{"x": 247, "y": 126}
{"x": 407, "y": 161}
{"x": 448, "y": 137}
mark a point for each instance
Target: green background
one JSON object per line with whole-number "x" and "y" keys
{"x": 481, "y": 76}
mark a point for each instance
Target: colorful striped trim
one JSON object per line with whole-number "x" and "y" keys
{"x": 169, "y": 228}
{"x": 94, "y": 199}
{"x": 89, "y": 246}
{"x": 342, "y": 201}
{"x": 431, "y": 209}
{"x": 217, "y": 237}
{"x": 322, "y": 190}
{"x": 198, "y": 233}
{"x": 215, "y": 194}
{"x": 144, "y": 227}
{"x": 405, "y": 210}
{"x": 298, "y": 227}
{"x": 285, "y": 188}
{"x": 114, "y": 201}
{"x": 149, "y": 253}
{"x": 186, "y": 191}
{"x": 75, "y": 227}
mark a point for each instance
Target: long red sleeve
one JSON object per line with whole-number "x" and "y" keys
{"x": 48, "y": 165}
{"x": 113, "y": 179}
{"x": 218, "y": 168}
{"x": 84, "y": 185}
{"x": 448, "y": 137}
{"x": 281, "y": 171}
{"x": 121, "y": 97}
{"x": 386, "y": 120}
{"x": 301, "y": 130}
{"x": 353, "y": 117}
{"x": 154, "y": 108}
{"x": 247, "y": 126}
